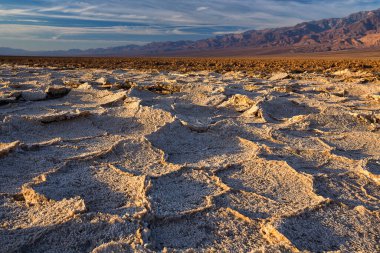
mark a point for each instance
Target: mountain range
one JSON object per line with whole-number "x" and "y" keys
{"x": 357, "y": 31}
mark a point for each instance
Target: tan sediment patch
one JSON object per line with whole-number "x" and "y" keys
{"x": 332, "y": 227}
{"x": 219, "y": 230}
{"x": 59, "y": 116}
{"x": 264, "y": 189}
{"x": 6, "y": 148}
{"x": 116, "y": 192}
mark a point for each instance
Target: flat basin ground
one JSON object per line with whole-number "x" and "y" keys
{"x": 149, "y": 159}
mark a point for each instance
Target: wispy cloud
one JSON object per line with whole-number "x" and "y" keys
{"x": 202, "y": 8}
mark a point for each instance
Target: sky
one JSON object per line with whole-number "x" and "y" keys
{"x": 66, "y": 24}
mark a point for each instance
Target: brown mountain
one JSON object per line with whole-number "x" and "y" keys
{"x": 359, "y": 30}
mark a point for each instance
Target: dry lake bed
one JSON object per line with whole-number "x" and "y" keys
{"x": 95, "y": 160}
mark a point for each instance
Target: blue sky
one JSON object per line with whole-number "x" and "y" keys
{"x": 65, "y": 24}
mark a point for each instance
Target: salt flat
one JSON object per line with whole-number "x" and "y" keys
{"x": 96, "y": 160}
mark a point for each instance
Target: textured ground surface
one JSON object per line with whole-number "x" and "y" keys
{"x": 146, "y": 161}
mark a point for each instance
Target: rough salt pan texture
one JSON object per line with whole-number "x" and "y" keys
{"x": 145, "y": 161}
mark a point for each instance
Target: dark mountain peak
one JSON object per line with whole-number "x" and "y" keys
{"x": 358, "y": 30}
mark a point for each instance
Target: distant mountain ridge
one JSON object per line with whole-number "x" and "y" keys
{"x": 356, "y": 31}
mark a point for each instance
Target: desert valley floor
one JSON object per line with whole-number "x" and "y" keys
{"x": 96, "y": 160}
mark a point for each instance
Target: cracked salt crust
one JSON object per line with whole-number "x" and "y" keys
{"x": 144, "y": 161}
